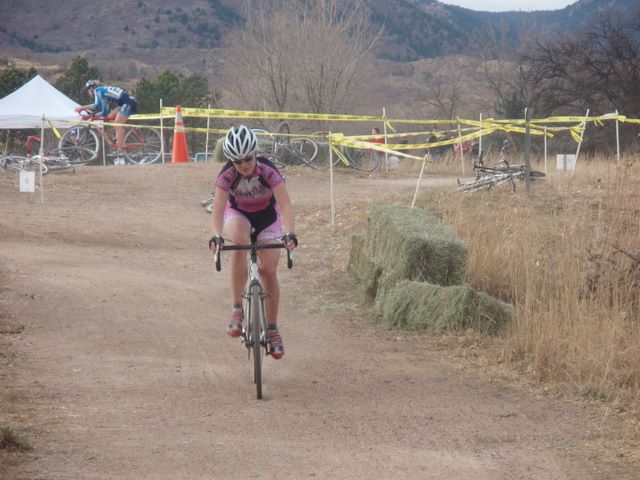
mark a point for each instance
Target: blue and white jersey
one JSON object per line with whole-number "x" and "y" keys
{"x": 108, "y": 98}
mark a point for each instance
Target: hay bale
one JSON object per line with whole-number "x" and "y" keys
{"x": 416, "y": 244}
{"x": 218, "y": 154}
{"x": 423, "y": 306}
{"x": 362, "y": 269}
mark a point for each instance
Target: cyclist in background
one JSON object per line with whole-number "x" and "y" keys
{"x": 251, "y": 205}
{"x": 113, "y": 103}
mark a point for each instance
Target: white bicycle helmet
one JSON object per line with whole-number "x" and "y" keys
{"x": 239, "y": 143}
{"x": 91, "y": 83}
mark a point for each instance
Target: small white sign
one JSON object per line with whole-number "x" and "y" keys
{"x": 27, "y": 181}
{"x": 565, "y": 161}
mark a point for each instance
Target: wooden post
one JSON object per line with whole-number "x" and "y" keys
{"x": 332, "y": 199}
{"x": 206, "y": 141}
{"x": 580, "y": 142}
{"x": 545, "y": 149}
{"x": 480, "y": 139}
{"x": 617, "y": 137}
{"x": 424, "y": 165}
{"x": 460, "y": 147}
{"x": 161, "y": 134}
{"x": 527, "y": 149}
{"x": 41, "y": 160}
{"x": 384, "y": 129}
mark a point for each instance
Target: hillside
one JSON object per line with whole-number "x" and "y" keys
{"x": 412, "y": 29}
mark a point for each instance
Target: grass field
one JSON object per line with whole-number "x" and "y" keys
{"x": 567, "y": 255}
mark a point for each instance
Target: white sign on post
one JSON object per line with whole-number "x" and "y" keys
{"x": 27, "y": 181}
{"x": 565, "y": 161}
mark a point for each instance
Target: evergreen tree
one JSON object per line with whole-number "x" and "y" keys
{"x": 72, "y": 82}
{"x": 191, "y": 91}
{"x": 12, "y": 79}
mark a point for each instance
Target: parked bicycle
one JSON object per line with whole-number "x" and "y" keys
{"x": 254, "y": 323}
{"x": 488, "y": 177}
{"x": 81, "y": 144}
{"x": 359, "y": 159}
{"x": 283, "y": 150}
{"x": 20, "y": 163}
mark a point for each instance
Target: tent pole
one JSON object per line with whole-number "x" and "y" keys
{"x": 41, "y": 160}
{"x": 161, "y": 134}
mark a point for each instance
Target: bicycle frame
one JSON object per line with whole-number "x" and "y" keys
{"x": 254, "y": 324}
{"x": 81, "y": 143}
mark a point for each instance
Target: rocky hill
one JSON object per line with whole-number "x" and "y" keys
{"x": 412, "y": 29}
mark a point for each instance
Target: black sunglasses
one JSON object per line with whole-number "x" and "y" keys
{"x": 243, "y": 160}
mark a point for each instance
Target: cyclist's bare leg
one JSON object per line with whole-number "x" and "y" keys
{"x": 237, "y": 230}
{"x": 120, "y": 118}
{"x": 269, "y": 277}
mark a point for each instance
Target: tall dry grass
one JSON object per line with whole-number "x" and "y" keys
{"x": 567, "y": 255}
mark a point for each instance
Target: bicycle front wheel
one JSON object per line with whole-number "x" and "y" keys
{"x": 256, "y": 323}
{"x": 142, "y": 146}
{"x": 79, "y": 145}
{"x": 17, "y": 164}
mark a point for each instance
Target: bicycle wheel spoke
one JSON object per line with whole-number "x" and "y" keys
{"x": 79, "y": 146}
{"x": 307, "y": 151}
{"x": 142, "y": 146}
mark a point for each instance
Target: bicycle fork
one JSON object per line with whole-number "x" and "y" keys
{"x": 246, "y": 335}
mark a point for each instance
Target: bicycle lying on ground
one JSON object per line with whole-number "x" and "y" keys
{"x": 284, "y": 151}
{"x": 502, "y": 173}
{"x": 81, "y": 144}
{"x": 20, "y": 163}
{"x": 254, "y": 323}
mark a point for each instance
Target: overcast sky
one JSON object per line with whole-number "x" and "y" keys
{"x": 510, "y": 5}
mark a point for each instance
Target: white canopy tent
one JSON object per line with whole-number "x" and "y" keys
{"x": 25, "y": 107}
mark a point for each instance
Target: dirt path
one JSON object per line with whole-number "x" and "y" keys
{"x": 123, "y": 370}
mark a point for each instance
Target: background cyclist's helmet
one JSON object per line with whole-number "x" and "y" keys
{"x": 239, "y": 143}
{"x": 91, "y": 83}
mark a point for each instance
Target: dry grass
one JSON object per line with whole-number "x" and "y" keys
{"x": 567, "y": 255}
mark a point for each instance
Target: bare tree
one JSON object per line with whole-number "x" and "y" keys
{"x": 599, "y": 68}
{"x": 509, "y": 78}
{"x": 338, "y": 41}
{"x": 442, "y": 88}
{"x": 292, "y": 56}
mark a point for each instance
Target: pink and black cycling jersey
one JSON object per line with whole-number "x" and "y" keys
{"x": 250, "y": 194}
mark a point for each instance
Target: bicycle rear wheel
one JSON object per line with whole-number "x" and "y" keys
{"x": 362, "y": 160}
{"x": 306, "y": 149}
{"x": 266, "y": 142}
{"x": 142, "y": 146}
{"x": 255, "y": 319}
{"x": 79, "y": 145}
{"x": 276, "y": 161}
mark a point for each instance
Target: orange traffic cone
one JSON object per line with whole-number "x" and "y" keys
{"x": 180, "y": 153}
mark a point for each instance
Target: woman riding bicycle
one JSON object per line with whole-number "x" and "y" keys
{"x": 114, "y": 103}
{"x": 251, "y": 205}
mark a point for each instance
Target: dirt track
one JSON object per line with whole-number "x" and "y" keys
{"x": 123, "y": 370}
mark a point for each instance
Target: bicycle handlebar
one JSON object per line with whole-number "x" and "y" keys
{"x": 92, "y": 116}
{"x": 251, "y": 246}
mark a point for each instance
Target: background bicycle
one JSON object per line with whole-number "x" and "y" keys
{"x": 81, "y": 144}
{"x": 286, "y": 150}
{"x": 488, "y": 177}
{"x": 359, "y": 159}
{"x": 21, "y": 163}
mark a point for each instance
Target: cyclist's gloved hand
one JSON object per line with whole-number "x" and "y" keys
{"x": 215, "y": 241}
{"x": 291, "y": 240}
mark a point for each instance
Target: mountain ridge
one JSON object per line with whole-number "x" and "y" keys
{"x": 412, "y": 29}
